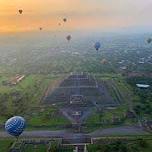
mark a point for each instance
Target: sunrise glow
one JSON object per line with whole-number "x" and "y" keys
{"x": 88, "y": 14}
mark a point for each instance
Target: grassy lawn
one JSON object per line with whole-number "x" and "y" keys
{"x": 40, "y": 124}
{"x": 2, "y": 120}
{"x": 148, "y": 148}
{"x": 36, "y": 148}
{"x": 43, "y": 148}
{"x": 48, "y": 118}
{"x": 41, "y": 121}
{"x": 66, "y": 150}
{"x": 144, "y": 146}
{"x": 5, "y": 145}
{"x": 121, "y": 92}
{"x": 130, "y": 146}
{"x": 118, "y": 88}
{"x": 31, "y": 90}
{"x": 105, "y": 120}
{"x": 108, "y": 76}
{"x": 36, "y": 85}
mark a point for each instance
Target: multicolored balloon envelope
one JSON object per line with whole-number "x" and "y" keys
{"x": 97, "y": 45}
{"x": 15, "y": 125}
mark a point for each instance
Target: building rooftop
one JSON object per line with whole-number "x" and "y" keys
{"x": 142, "y": 85}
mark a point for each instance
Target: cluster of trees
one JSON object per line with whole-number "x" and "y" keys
{"x": 144, "y": 102}
{"x": 119, "y": 146}
{"x": 55, "y": 147}
{"x": 19, "y": 99}
{"x": 15, "y": 103}
{"x": 58, "y": 63}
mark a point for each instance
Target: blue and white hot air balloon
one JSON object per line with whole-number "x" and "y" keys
{"x": 15, "y": 126}
{"x": 97, "y": 45}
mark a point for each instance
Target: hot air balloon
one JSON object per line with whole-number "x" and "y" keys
{"x": 68, "y": 37}
{"x": 97, "y": 45}
{"x": 20, "y": 11}
{"x": 149, "y": 40}
{"x": 104, "y": 61}
{"x": 40, "y": 28}
{"x": 64, "y": 20}
{"x": 15, "y": 126}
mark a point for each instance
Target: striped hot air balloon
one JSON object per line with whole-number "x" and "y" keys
{"x": 15, "y": 126}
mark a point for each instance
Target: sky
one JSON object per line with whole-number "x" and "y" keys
{"x": 81, "y": 14}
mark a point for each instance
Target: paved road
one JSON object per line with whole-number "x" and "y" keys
{"x": 37, "y": 134}
{"x": 125, "y": 130}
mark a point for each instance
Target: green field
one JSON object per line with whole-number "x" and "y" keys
{"x": 112, "y": 144}
{"x": 36, "y": 148}
{"x": 47, "y": 118}
{"x": 5, "y": 145}
{"x": 140, "y": 145}
{"x": 121, "y": 92}
{"x": 25, "y": 99}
